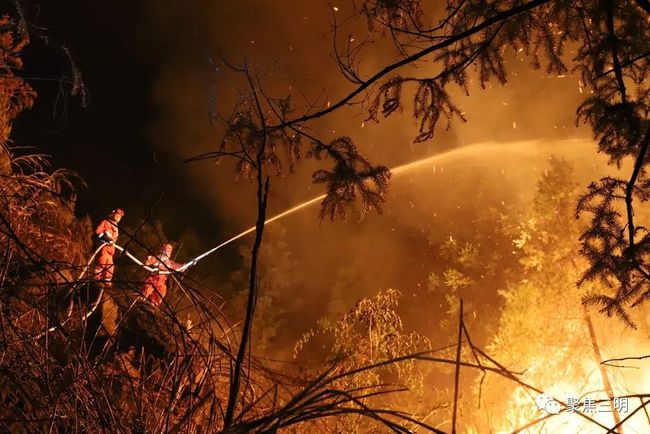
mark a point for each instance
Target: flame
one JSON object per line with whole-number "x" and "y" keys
{"x": 627, "y": 378}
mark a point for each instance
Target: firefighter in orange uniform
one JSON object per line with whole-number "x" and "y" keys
{"x": 155, "y": 285}
{"x": 107, "y": 233}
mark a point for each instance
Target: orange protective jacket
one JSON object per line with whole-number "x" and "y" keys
{"x": 106, "y": 231}
{"x": 155, "y": 284}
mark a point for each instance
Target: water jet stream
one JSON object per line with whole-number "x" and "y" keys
{"x": 298, "y": 207}
{"x": 444, "y": 156}
{"x": 454, "y": 154}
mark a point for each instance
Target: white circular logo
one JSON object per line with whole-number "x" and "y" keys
{"x": 552, "y": 407}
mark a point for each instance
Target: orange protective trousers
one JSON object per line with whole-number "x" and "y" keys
{"x": 155, "y": 288}
{"x": 105, "y": 267}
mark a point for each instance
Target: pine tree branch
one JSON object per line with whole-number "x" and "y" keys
{"x": 625, "y": 64}
{"x": 501, "y": 16}
{"x": 623, "y": 359}
{"x": 629, "y": 189}
{"x": 618, "y": 70}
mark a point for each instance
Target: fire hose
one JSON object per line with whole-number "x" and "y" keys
{"x": 184, "y": 267}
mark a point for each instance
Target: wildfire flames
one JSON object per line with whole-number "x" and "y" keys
{"x": 627, "y": 378}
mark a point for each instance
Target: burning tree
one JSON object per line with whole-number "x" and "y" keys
{"x": 547, "y": 242}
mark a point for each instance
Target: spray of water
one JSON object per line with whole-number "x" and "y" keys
{"x": 296, "y": 208}
{"x": 445, "y": 157}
